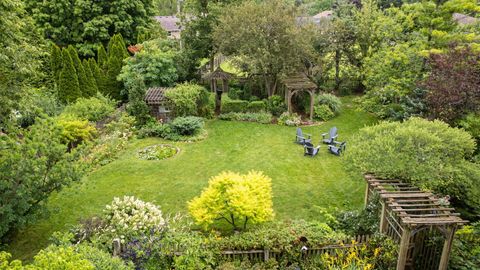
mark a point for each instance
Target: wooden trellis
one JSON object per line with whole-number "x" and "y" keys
{"x": 416, "y": 220}
{"x": 297, "y": 83}
{"x": 218, "y": 75}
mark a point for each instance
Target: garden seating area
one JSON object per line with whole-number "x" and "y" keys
{"x": 334, "y": 147}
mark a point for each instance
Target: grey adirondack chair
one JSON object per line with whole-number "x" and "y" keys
{"x": 332, "y": 135}
{"x": 302, "y": 138}
{"x": 337, "y": 148}
{"x": 310, "y": 150}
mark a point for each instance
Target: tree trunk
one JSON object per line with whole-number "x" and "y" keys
{"x": 337, "y": 70}
{"x": 271, "y": 85}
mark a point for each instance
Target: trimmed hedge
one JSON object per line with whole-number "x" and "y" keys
{"x": 234, "y": 105}
{"x": 257, "y": 106}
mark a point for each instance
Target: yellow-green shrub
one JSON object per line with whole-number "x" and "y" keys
{"x": 234, "y": 198}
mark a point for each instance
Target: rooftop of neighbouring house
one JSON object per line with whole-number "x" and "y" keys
{"x": 169, "y": 23}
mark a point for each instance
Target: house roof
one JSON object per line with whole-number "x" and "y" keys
{"x": 464, "y": 19}
{"x": 169, "y": 23}
{"x": 155, "y": 95}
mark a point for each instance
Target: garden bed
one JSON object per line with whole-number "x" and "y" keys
{"x": 158, "y": 152}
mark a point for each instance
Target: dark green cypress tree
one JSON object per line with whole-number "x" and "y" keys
{"x": 68, "y": 86}
{"x": 56, "y": 62}
{"x": 102, "y": 57}
{"x": 92, "y": 84}
{"x": 116, "y": 54}
{"x": 82, "y": 77}
{"x": 99, "y": 76}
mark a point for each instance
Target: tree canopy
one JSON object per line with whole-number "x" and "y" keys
{"x": 89, "y": 23}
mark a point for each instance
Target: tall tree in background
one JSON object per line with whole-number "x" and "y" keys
{"x": 98, "y": 75}
{"x": 91, "y": 82}
{"x": 453, "y": 84}
{"x": 68, "y": 87}
{"x": 56, "y": 61}
{"x": 20, "y": 57}
{"x": 117, "y": 52}
{"x": 102, "y": 57}
{"x": 89, "y": 23}
{"x": 80, "y": 71}
{"x": 265, "y": 37}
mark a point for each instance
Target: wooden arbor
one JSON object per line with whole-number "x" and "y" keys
{"x": 218, "y": 75}
{"x": 297, "y": 83}
{"x": 417, "y": 220}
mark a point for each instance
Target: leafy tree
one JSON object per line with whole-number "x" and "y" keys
{"x": 68, "y": 86}
{"x": 264, "y": 37}
{"x": 91, "y": 83}
{"x": 393, "y": 71}
{"x": 234, "y": 198}
{"x": 89, "y": 23}
{"x": 20, "y": 57}
{"x": 453, "y": 84}
{"x": 153, "y": 64}
{"x": 136, "y": 100}
{"x": 390, "y": 75}
{"x": 429, "y": 154}
{"x": 31, "y": 169}
{"x": 187, "y": 99}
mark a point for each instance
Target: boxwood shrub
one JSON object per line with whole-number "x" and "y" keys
{"x": 234, "y": 105}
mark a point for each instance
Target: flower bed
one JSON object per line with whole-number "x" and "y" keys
{"x": 158, "y": 152}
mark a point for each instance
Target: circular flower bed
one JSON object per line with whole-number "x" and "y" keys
{"x": 158, "y": 152}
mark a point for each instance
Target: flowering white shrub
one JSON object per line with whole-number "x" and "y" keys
{"x": 289, "y": 119}
{"x": 128, "y": 217}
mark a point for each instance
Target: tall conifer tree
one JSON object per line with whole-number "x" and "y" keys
{"x": 56, "y": 61}
{"x": 82, "y": 77}
{"x": 68, "y": 86}
{"x": 92, "y": 84}
{"x": 102, "y": 57}
{"x": 116, "y": 54}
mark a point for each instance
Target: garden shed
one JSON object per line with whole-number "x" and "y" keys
{"x": 156, "y": 100}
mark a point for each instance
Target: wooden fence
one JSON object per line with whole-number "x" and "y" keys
{"x": 265, "y": 254}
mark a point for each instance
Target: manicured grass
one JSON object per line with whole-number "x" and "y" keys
{"x": 300, "y": 184}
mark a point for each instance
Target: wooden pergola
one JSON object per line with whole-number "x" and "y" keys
{"x": 413, "y": 217}
{"x": 297, "y": 83}
{"x": 218, "y": 75}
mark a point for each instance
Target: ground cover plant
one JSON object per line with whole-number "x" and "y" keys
{"x": 229, "y": 146}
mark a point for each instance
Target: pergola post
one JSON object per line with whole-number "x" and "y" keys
{"x": 403, "y": 249}
{"x": 383, "y": 219}
{"x": 367, "y": 193}
{"x": 447, "y": 247}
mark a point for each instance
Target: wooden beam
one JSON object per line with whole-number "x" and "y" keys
{"x": 405, "y": 195}
{"x": 424, "y": 209}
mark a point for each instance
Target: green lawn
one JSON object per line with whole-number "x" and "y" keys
{"x": 300, "y": 184}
